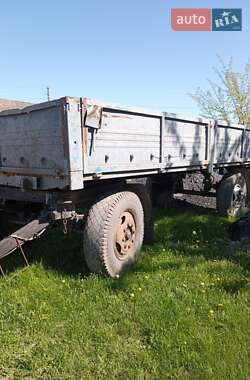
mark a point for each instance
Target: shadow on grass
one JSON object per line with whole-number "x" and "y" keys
{"x": 189, "y": 235}
{"x": 184, "y": 230}
{"x": 235, "y": 286}
{"x": 195, "y": 232}
{"x": 58, "y": 252}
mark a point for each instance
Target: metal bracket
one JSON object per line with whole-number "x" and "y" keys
{"x": 91, "y": 114}
{"x": 15, "y": 241}
{"x": 212, "y": 148}
{"x": 93, "y": 117}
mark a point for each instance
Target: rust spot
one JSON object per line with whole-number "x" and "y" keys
{"x": 93, "y": 116}
{"x": 115, "y": 116}
{"x": 84, "y": 134}
{"x": 8, "y": 174}
{"x": 95, "y": 111}
{"x": 85, "y": 140}
{"x": 121, "y": 117}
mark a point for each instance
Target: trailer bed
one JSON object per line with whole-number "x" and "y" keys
{"x": 63, "y": 143}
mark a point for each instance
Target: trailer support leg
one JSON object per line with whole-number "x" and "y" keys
{"x": 15, "y": 241}
{"x": 22, "y": 252}
{"x": 1, "y": 271}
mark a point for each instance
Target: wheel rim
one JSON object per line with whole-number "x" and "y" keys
{"x": 238, "y": 198}
{"x": 125, "y": 235}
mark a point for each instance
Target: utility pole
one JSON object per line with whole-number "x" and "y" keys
{"x": 48, "y": 93}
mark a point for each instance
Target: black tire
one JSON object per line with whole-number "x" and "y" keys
{"x": 104, "y": 251}
{"x": 232, "y": 195}
{"x": 246, "y": 173}
{"x": 165, "y": 199}
{"x": 149, "y": 232}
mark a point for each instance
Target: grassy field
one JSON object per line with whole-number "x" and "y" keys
{"x": 182, "y": 313}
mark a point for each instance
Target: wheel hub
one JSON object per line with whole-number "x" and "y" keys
{"x": 237, "y": 193}
{"x": 125, "y": 234}
{"x": 238, "y": 199}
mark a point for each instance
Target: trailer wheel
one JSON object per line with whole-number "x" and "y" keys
{"x": 114, "y": 233}
{"x": 246, "y": 174}
{"x": 232, "y": 195}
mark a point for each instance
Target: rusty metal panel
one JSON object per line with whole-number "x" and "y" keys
{"x": 92, "y": 114}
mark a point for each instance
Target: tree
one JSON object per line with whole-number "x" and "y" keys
{"x": 228, "y": 98}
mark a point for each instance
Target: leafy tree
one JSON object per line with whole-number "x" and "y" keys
{"x": 229, "y": 97}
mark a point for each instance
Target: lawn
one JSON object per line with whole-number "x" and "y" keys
{"x": 183, "y": 312}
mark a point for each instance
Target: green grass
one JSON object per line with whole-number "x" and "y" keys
{"x": 183, "y": 312}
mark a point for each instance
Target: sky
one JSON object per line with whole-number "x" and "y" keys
{"x": 121, "y": 51}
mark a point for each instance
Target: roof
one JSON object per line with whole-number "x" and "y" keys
{"x": 7, "y": 104}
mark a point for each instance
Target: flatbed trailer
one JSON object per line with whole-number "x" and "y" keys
{"x": 112, "y": 161}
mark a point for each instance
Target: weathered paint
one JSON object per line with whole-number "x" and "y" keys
{"x": 62, "y": 143}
